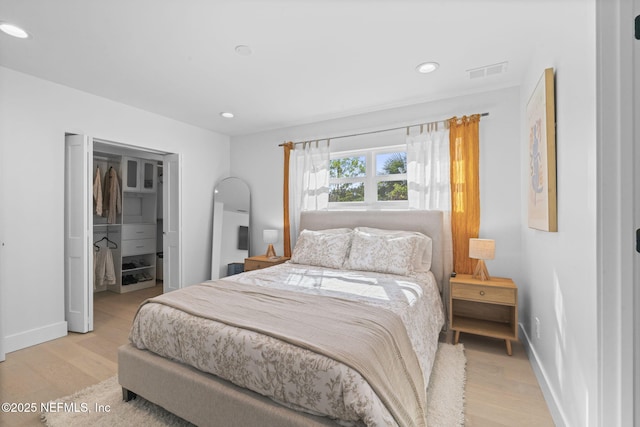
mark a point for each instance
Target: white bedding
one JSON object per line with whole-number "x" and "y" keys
{"x": 290, "y": 375}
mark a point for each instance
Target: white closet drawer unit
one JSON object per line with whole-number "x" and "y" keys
{"x": 138, "y": 246}
{"x": 138, "y": 231}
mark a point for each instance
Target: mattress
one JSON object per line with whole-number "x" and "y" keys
{"x": 292, "y": 376}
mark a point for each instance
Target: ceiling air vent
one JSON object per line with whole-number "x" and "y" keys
{"x": 487, "y": 70}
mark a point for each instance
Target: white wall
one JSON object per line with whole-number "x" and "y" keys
{"x": 34, "y": 116}
{"x": 259, "y": 160}
{"x": 559, "y": 280}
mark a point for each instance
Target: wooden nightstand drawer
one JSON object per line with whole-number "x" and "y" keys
{"x": 256, "y": 265}
{"x": 483, "y": 293}
{"x": 261, "y": 261}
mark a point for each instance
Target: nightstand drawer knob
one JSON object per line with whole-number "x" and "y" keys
{"x": 482, "y": 293}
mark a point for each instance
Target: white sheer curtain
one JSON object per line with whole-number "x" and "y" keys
{"x": 309, "y": 174}
{"x": 428, "y": 170}
{"x": 428, "y": 180}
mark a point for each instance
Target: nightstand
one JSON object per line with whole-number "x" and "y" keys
{"x": 484, "y": 307}
{"x": 261, "y": 261}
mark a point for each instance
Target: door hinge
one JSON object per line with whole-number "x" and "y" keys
{"x": 638, "y": 27}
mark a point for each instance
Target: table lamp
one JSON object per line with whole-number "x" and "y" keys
{"x": 481, "y": 249}
{"x": 270, "y": 237}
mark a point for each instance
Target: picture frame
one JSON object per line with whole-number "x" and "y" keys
{"x": 243, "y": 238}
{"x": 541, "y": 179}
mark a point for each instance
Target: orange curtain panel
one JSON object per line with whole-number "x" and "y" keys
{"x": 464, "y": 149}
{"x": 287, "y": 226}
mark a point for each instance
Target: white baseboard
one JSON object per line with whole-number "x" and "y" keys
{"x": 549, "y": 395}
{"x": 34, "y": 336}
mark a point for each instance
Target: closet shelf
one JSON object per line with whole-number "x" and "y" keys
{"x": 128, "y": 270}
{"x": 134, "y": 228}
{"x": 139, "y": 223}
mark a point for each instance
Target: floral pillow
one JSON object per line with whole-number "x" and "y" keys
{"x": 333, "y": 231}
{"x": 326, "y": 248}
{"x": 424, "y": 251}
{"x": 390, "y": 253}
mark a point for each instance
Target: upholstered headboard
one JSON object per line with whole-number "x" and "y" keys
{"x": 429, "y": 223}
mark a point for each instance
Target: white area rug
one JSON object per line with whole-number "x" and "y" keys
{"x": 445, "y": 394}
{"x": 88, "y": 407}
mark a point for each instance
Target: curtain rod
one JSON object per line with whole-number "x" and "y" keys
{"x": 374, "y": 131}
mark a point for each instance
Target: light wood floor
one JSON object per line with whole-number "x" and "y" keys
{"x": 500, "y": 390}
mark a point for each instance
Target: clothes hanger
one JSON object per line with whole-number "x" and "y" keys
{"x": 95, "y": 244}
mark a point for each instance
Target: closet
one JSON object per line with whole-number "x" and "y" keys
{"x": 125, "y": 220}
{"x": 142, "y": 225}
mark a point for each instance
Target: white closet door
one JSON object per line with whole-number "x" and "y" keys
{"x": 78, "y": 260}
{"x": 635, "y": 71}
{"x": 2, "y": 311}
{"x": 172, "y": 262}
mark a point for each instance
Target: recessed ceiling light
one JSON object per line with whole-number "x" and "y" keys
{"x": 226, "y": 115}
{"x": 427, "y": 67}
{"x": 243, "y": 50}
{"x": 13, "y": 30}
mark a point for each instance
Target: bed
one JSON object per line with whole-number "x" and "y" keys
{"x": 309, "y": 374}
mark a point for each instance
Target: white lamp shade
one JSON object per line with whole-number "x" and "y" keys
{"x": 270, "y": 236}
{"x": 482, "y": 248}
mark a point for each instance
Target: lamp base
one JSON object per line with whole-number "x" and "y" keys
{"x": 481, "y": 272}
{"x": 271, "y": 252}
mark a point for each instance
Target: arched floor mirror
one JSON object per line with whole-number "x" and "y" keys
{"x": 231, "y": 232}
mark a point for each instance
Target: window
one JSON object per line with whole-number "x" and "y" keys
{"x": 368, "y": 178}
{"x": 347, "y": 176}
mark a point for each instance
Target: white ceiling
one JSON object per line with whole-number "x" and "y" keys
{"x": 311, "y": 60}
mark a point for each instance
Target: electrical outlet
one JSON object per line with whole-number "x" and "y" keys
{"x": 537, "y": 328}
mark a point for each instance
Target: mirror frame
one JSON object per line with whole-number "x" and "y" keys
{"x": 216, "y": 238}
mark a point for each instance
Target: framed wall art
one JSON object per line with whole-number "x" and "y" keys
{"x": 541, "y": 179}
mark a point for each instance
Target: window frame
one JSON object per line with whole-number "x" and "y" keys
{"x": 370, "y": 180}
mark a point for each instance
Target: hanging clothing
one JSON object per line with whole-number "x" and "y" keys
{"x": 97, "y": 192}
{"x": 112, "y": 199}
{"x": 103, "y": 268}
